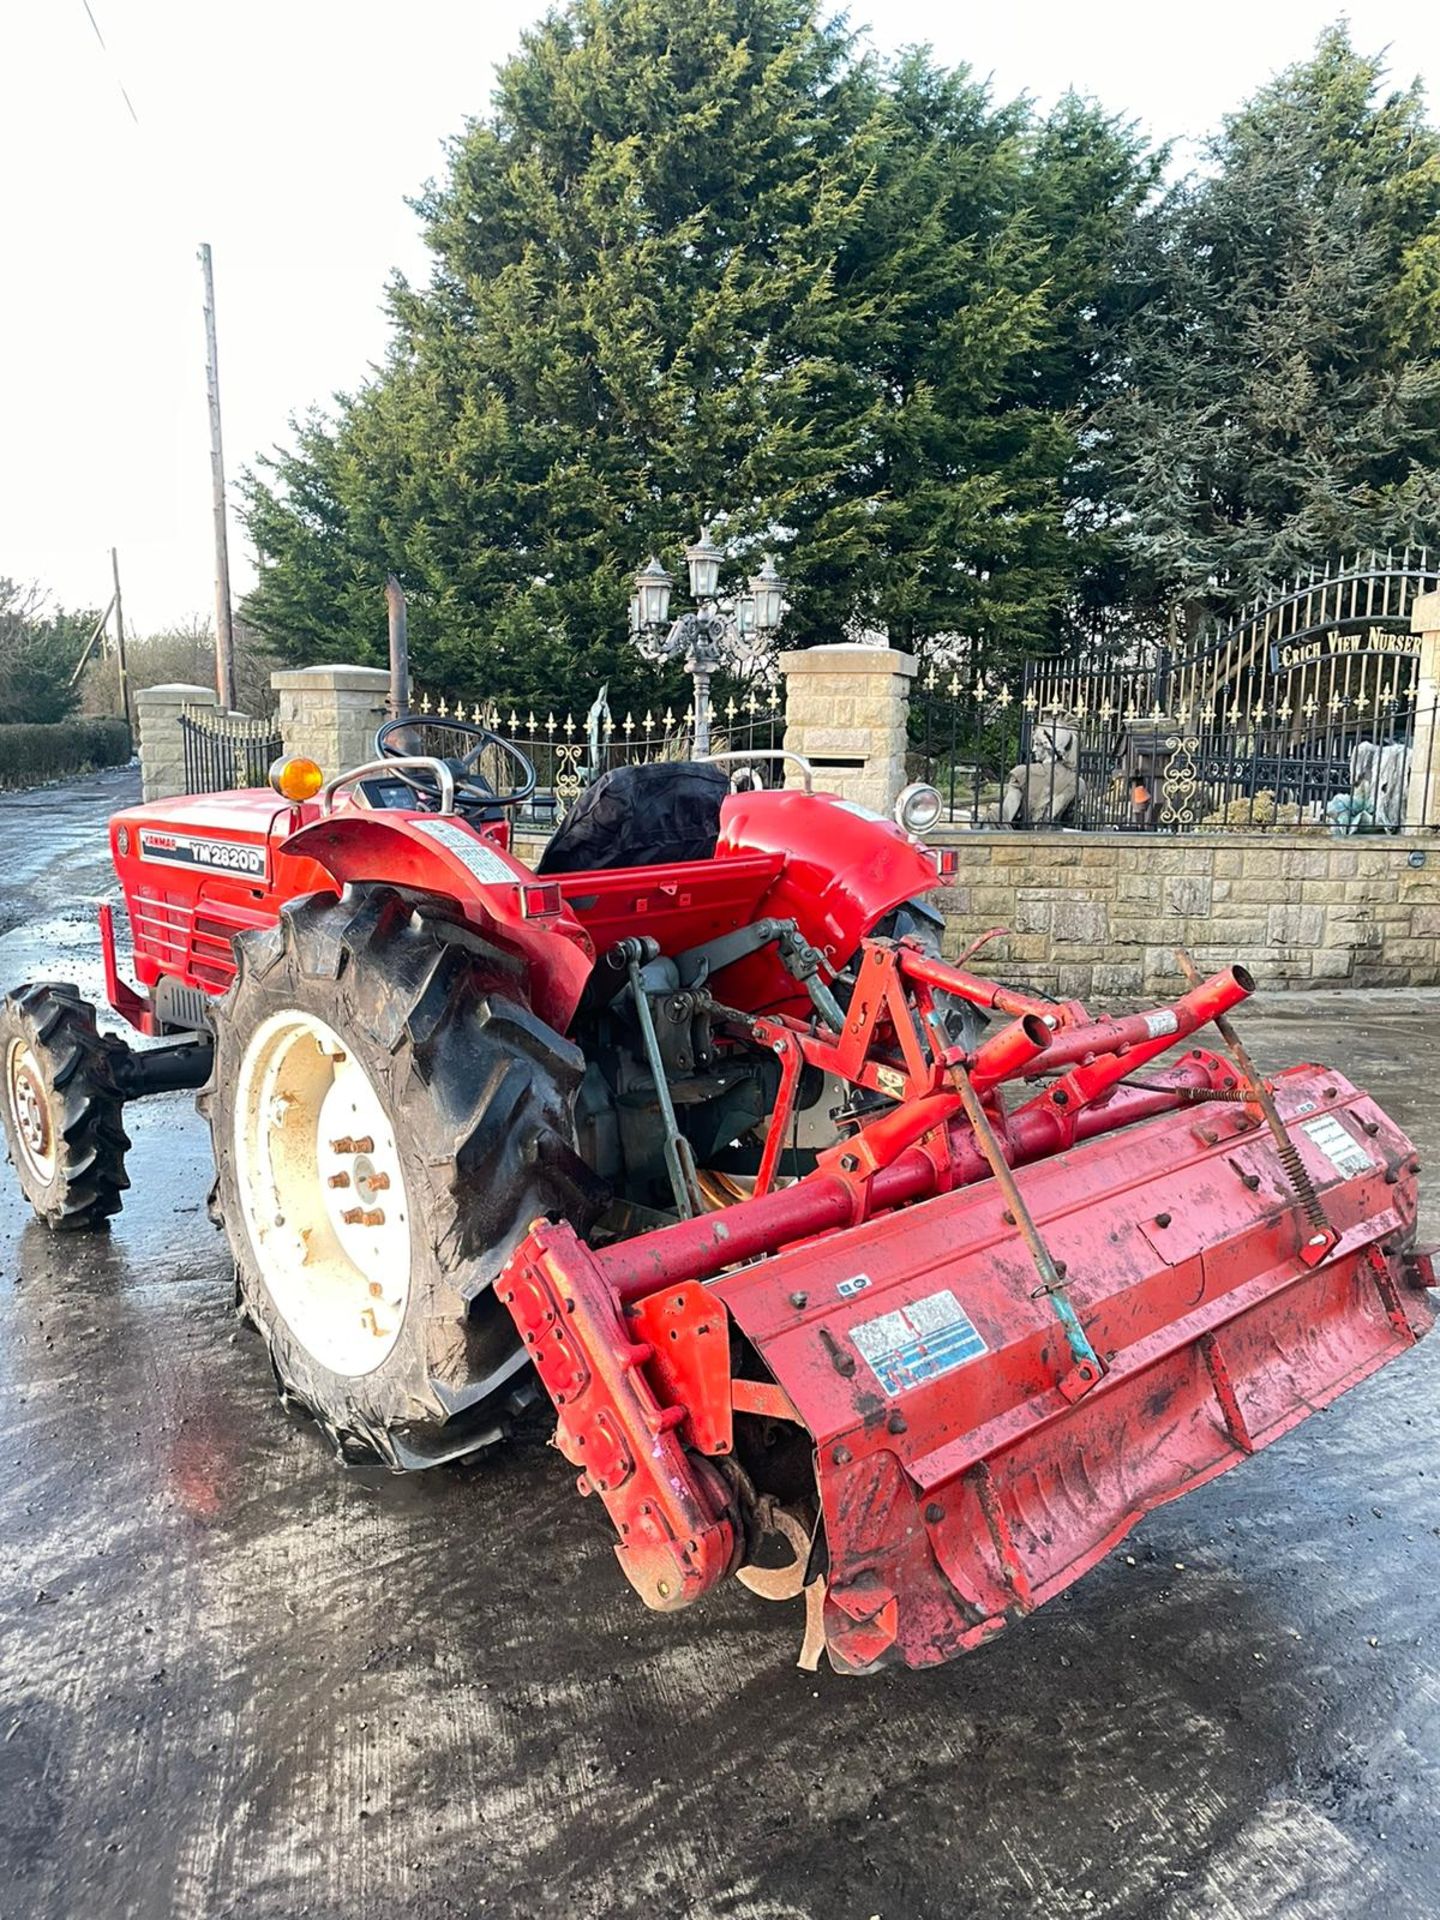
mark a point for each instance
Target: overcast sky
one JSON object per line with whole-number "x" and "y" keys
{"x": 287, "y": 133}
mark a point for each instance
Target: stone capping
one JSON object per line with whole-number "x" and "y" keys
{"x": 330, "y": 713}
{"x": 847, "y": 657}
{"x": 331, "y": 679}
{"x": 176, "y": 693}
{"x": 1216, "y": 839}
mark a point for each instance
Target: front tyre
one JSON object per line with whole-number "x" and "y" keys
{"x": 388, "y": 1119}
{"x": 62, "y": 1108}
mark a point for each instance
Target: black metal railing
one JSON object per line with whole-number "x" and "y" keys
{"x": 1345, "y": 771}
{"x": 225, "y": 750}
{"x": 570, "y": 751}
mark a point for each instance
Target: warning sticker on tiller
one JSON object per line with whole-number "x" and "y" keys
{"x": 919, "y": 1342}
{"x": 1338, "y": 1144}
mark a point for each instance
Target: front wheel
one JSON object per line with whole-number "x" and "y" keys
{"x": 62, "y": 1108}
{"x": 388, "y": 1119}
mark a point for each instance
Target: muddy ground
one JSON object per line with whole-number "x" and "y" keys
{"x": 237, "y": 1680}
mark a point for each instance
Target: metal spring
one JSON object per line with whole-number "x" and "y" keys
{"x": 1300, "y": 1180}
{"x": 1232, "y": 1096}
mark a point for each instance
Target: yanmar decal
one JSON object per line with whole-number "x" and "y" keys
{"x": 216, "y": 856}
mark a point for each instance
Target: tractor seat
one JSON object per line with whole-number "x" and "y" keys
{"x": 658, "y": 813}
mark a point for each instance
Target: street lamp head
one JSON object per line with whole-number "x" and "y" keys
{"x": 768, "y": 592}
{"x": 652, "y": 595}
{"x": 703, "y": 560}
{"x": 745, "y": 615}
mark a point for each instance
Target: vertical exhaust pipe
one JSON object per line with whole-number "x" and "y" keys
{"x": 399, "y": 698}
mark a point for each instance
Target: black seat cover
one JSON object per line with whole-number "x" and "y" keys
{"x": 641, "y": 816}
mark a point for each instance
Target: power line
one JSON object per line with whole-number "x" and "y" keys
{"x": 106, "y": 51}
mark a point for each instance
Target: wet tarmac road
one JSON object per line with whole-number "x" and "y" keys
{"x": 236, "y": 1680}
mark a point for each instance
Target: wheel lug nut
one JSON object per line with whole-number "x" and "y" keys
{"x": 346, "y": 1145}
{"x": 339, "y": 1180}
{"x": 378, "y": 1182}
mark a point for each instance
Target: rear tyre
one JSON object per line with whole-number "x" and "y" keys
{"x": 62, "y": 1109}
{"x": 917, "y": 920}
{"x": 388, "y": 1119}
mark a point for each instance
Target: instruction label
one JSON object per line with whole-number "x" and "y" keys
{"x": 1338, "y": 1144}
{"x": 483, "y": 861}
{"x": 919, "y": 1342}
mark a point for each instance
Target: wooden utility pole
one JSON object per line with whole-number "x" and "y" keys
{"x": 120, "y": 637}
{"x": 224, "y": 620}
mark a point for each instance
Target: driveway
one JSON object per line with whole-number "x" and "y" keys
{"x": 238, "y": 1680}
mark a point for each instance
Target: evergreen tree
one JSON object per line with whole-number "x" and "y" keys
{"x": 705, "y": 257}
{"x": 1282, "y": 394}
{"x": 40, "y": 648}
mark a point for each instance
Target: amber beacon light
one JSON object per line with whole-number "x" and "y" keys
{"x": 296, "y": 778}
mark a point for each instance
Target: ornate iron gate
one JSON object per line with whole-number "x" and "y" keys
{"x": 225, "y": 750}
{"x": 1301, "y": 712}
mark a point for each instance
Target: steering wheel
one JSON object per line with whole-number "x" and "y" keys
{"x": 469, "y": 781}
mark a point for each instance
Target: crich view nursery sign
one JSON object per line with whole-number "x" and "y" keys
{"x": 1338, "y": 642}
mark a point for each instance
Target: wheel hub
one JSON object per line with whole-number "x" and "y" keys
{"x": 323, "y": 1191}
{"x": 30, "y": 1109}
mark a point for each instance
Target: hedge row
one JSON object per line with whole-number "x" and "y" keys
{"x": 31, "y": 754}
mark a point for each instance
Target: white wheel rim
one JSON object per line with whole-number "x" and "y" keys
{"x": 29, "y": 1104}
{"x": 322, "y": 1191}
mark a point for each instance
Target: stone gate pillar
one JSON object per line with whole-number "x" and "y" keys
{"x": 846, "y": 708}
{"x": 330, "y": 714}
{"x": 1422, "y": 800}
{"x": 162, "y": 746}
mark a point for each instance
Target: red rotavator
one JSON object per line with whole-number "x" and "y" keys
{"x": 847, "y": 1271}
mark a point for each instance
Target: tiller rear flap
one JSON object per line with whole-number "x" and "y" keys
{"x": 929, "y": 1392}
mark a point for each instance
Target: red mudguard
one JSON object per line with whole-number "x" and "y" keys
{"x": 438, "y": 853}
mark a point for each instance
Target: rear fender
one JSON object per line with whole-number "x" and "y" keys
{"x": 845, "y": 869}
{"x": 494, "y": 892}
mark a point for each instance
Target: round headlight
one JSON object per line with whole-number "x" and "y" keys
{"x": 918, "y": 808}
{"x": 296, "y": 778}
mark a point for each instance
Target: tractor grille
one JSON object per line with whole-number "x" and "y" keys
{"x": 194, "y": 945}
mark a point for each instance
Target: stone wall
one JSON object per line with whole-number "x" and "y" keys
{"x": 1098, "y": 916}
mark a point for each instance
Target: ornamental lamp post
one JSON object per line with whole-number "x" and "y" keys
{"x": 717, "y": 632}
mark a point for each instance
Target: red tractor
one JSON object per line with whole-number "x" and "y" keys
{"x": 845, "y": 1270}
